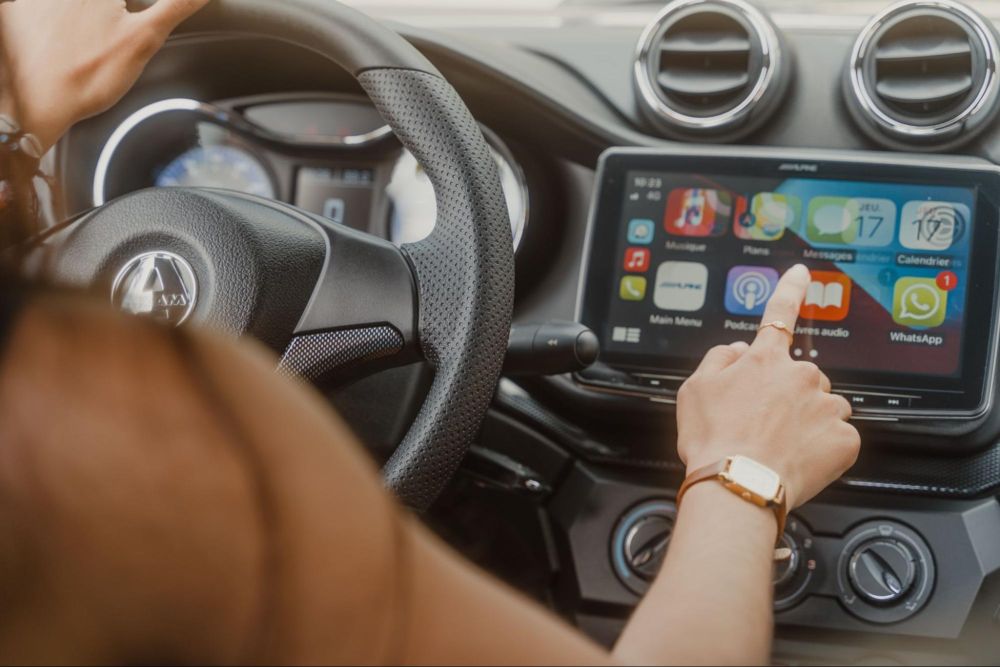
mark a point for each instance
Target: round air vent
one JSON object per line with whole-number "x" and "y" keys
{"x": 924, "y": 73}
{"x": 710, "y": 68}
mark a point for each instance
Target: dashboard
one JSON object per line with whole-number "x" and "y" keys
{"x": 331, "y": 155}
{"x": 662, "y": 163}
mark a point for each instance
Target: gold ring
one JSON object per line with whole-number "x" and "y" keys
{"x": 780, "y": 326}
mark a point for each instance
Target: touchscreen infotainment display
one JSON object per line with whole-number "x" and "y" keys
{"x": 895, "y": 301}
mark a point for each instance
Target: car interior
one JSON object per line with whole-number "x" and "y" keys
{"x": 661, "y": 163}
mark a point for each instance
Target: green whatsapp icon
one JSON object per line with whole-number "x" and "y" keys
{"x": 919, "y": 303}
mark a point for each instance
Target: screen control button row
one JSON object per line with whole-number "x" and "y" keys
{"x": 877, "y": 401}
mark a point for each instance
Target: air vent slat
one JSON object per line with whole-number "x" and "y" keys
{"x": 921, "y": 72}
{"x": 923, "y": 47}
{"x": 923, "y": 89}
{"x": 711, "y": 68}
{"x": 702, "y": 82}
{"x": 705, "y": 43}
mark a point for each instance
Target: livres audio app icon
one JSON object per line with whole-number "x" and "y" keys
{"x": 828, "y": 297}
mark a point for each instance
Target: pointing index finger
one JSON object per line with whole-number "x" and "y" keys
{"x": 784, "y": 306}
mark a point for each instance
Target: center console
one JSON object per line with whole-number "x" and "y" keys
{"x": 685, "y": 248}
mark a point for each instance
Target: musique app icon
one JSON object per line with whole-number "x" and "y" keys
{"x": 637, "y": 260}
{"x": 748, "y": 288}
{"x": 698, "y": 212}
{"x": 828, "y": 297}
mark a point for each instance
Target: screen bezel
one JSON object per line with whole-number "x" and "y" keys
{"x": 942, "y": 398}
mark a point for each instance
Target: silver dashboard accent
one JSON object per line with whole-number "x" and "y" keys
{"x": 771, "y": 55}
{"x": 156, "y": 284}
{"x": 802, "y": 156}
{"x": 967, "y": 119}
{"x": 409, "y": 186}
{"x": 229, "y": 119}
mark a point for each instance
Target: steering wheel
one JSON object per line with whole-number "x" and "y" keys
{"x": 335, "y": 302}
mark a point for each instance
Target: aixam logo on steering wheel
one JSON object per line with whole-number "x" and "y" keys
{"x": 158, "y": 284}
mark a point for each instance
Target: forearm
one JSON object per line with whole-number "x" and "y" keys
{"x": 711, "y": 604}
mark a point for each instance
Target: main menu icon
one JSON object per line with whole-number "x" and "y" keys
{"x": 748, "y": 288}
{"x": 680, "y": 286}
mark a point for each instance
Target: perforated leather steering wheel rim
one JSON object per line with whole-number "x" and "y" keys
{"x": 464, "y": 270}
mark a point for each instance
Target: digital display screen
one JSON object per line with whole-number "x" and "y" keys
{"x": 343, "y": 195}
{"x": 694, "y": 257}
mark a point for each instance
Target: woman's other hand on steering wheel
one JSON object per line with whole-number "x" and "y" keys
{"x": 755, "y": 400}
{"x": 67, "y": 60}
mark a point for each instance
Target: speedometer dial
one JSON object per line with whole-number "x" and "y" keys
{"x": 414, "y": 209}
{"x": 226, "y": 167}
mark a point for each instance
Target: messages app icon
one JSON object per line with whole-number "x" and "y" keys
{"x": 919, "y": 303}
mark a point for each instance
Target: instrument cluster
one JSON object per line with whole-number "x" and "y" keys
{"x": 329, "y": 154}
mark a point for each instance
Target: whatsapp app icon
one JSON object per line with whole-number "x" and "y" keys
{"x": 919, "y": 303}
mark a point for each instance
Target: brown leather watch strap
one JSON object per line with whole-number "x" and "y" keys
{"x": 716, "y": 471}
{"x": 702, "y": 474}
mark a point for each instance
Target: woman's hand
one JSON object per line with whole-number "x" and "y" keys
{"x": 67, "y": 60}
{"x": 757, "y": 401}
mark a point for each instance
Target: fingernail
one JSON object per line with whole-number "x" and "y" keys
{"x": 800, "y": 268}
{"x": 740, "y": 345}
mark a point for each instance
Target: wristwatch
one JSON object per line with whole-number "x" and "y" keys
{"x": 751, "y": 481}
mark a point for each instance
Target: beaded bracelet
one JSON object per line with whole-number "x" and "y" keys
{"x": 20, "y": 159}
{"x": 19, "y": 144}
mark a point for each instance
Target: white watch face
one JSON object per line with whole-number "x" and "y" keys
{"x": 754, "y": 477}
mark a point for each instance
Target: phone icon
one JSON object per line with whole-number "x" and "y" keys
{"x": 632, "y": 288}
{"x": 919, "y": 303}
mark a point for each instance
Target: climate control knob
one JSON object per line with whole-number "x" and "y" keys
{"x": 882, "y": 571}
{"x": 886, "y": 572}
{"x": 640, "y": 541}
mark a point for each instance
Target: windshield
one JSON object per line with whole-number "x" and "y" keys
{"x": 840, "y": 7}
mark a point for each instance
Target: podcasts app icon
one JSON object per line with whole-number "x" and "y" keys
{"x": 748, "y": 288}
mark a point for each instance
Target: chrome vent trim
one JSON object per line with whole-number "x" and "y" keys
{"x": 913, "y": 80}
{"x": 709, "y": 67}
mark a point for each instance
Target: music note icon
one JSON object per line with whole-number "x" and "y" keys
{"x": 637, "y": 260}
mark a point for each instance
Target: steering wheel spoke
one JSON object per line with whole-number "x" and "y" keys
{"x": 335, "y": 302}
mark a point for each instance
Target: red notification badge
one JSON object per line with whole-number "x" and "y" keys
{"x": 947, "y": 281}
